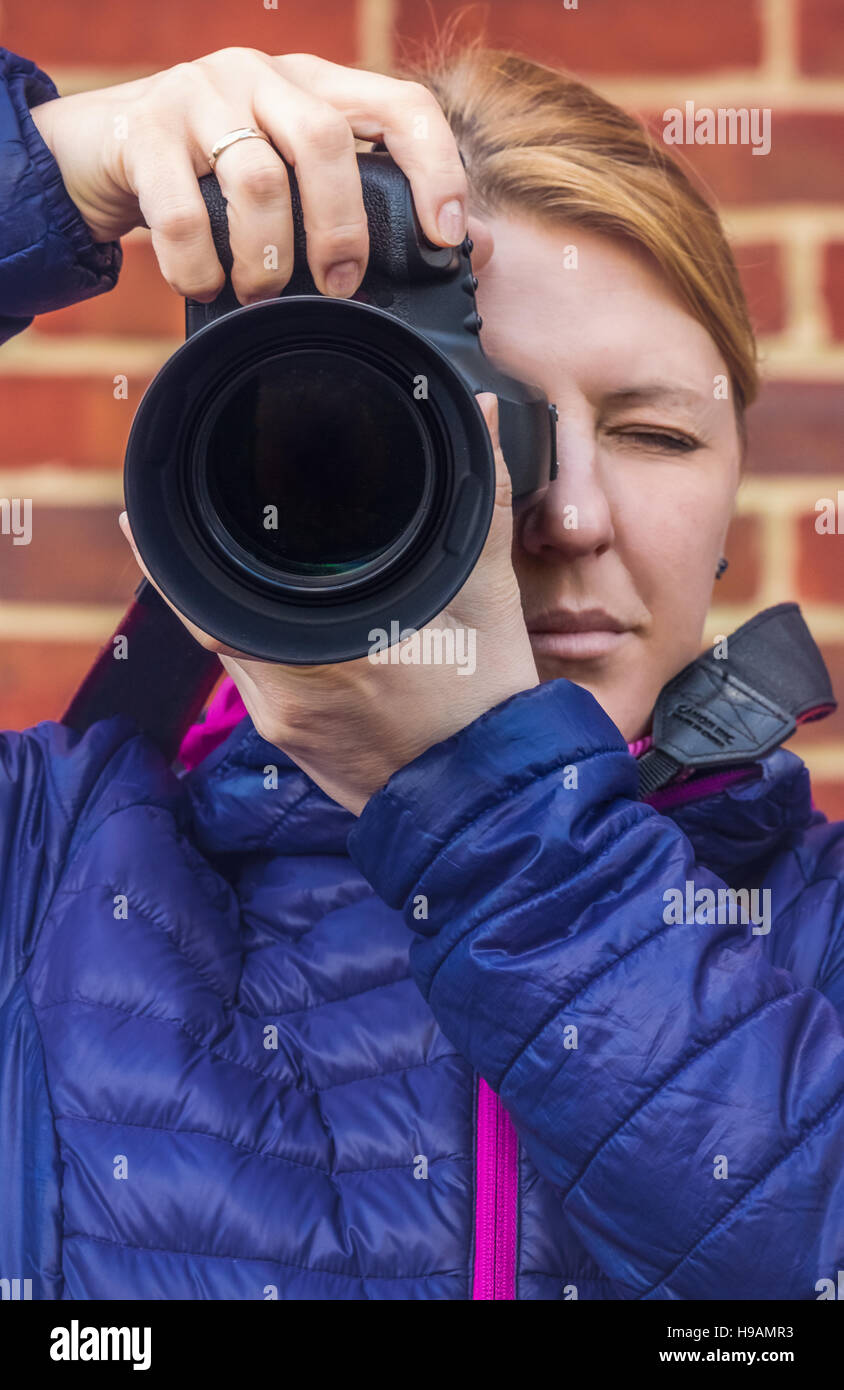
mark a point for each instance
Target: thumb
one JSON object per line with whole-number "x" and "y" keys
{"x": 209, "y": 643}
{"x": 488, "y": 402}
{"x": 123, "y": 523}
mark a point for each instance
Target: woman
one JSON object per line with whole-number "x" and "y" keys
{"x": 380, "y": 999}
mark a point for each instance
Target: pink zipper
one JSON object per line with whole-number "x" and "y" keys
{"x": 496, "y": 1198}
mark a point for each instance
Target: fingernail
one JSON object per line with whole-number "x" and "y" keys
{"x": 122, "y": 517}
{"x": 343, "y": 277}
{"x": 452, "y": 222}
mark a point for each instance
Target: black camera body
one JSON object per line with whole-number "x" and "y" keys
{"x": 306, "y": 470}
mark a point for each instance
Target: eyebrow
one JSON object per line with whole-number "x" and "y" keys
{"x": 658, "y": 393}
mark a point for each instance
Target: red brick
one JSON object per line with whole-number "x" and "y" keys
{"x": 141, "y": 304}
{"x": 804, "y": 164}
{"x": 740, "y": 580}
{"x": 821, "y": 37}
{"x": 37, "y": 679}
{"x": 762, "y": 277}
{"x": 66, "y": 419}
{"x": 820, "y": 557}
{"x": 833, "y": 286}
{"x": 797, "y": 427}
{"x": 604, "y": 36}
{"x": 159, "y": 33}
{"x": 76, "y": 555}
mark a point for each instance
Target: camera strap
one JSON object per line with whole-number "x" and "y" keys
{"x": 150, "y": 669}
{"x": 739, "y": 700}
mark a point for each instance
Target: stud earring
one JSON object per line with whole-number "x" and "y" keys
{"x": 722, "y": 565}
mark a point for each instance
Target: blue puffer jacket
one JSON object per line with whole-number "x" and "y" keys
{"x": 253, "y": 1047}
{"x": 238, "y": 1061}
{"x": 47, "y": 256}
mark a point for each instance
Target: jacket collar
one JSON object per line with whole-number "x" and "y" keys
{"x": 739, "y": 828}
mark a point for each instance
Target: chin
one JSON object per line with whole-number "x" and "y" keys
{"x": 628, "y": 706}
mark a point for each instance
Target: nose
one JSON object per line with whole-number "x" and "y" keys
{"x": 573, "y": 518}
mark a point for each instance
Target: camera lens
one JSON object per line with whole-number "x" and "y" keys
{"x": 315, "y": 464}
{"x": 305, "y": 470}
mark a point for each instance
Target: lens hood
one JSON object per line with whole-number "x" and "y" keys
{"x": 276, "y": 615}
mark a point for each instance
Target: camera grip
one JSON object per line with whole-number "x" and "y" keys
{"x": 388, "y": 206}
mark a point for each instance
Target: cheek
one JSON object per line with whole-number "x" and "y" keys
{"x": 670, "y": 540}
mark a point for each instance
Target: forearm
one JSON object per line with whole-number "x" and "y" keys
{"x": 630, "y": 1052}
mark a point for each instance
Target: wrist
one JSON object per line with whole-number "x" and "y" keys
{"x": 470, "y": 698}
{"x": 537, "y": 733}
{"x": 63, "y": 140}
{"x": 77, "y": 267}
{"x": 41, "y": 119}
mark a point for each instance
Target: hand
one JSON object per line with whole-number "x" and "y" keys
{"x": 131, "y": 155}
{"x": 351, "y": 725}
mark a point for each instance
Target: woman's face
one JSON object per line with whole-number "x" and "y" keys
{"x": 616, "y": 563}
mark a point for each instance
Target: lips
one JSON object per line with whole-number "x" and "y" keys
{"x": 584, "y": 620}
{"x": 581, "y": 635}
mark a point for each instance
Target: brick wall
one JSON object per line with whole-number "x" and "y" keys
{"x": 64, "y": 433}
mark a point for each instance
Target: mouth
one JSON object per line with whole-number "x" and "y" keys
{"x": 577, "y": 636}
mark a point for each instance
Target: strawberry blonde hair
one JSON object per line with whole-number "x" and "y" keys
{"x": 535, "y": 140}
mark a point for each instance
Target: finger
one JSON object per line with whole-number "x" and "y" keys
{"x": 317, "y": 140}
{"x": 170, "y": 200}
{"x": 488, "y": 402}
{"x": 498, "y": 544}
{"x": 412, "y": 125}
{"x": 254, "y": 182}
{"x": 209, "y": 643}
{"x": 240, "y": 88}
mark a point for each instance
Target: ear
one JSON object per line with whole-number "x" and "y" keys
{"x": 484, "y": 244}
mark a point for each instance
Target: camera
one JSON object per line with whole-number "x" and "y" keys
{"x": 304, "y": 470}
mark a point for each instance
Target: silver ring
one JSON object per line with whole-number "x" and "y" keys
{"x": 245, "y": 133}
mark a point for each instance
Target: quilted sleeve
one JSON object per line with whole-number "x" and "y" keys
{"x": 685, "y": 1096}
{"x": 48, "y": 257}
